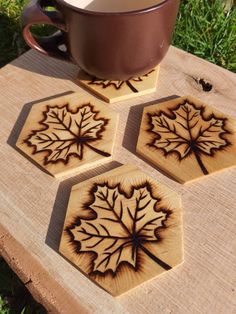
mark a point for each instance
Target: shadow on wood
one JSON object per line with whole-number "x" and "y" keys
{"x": 132, "y": 129}
{"x": 13, "y": 137}
{"x": 55, "y": 68}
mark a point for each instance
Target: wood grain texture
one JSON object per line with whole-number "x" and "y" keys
{"x": 33, "y": 204}
{"x": 187, "y": 139}
{"x": 39, "y": 283}
{"x": 123, "y": 228}
{"x": 114, "y": 91}
{"x": 69, "y": 134}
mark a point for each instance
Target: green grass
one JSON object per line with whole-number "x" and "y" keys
{"x": 11, "y": 41}
{"x": 204, "y": 29}
{"x": 12, "y": 44}
{"x": 14, "y": 296}
{"x": 4, "y": 309}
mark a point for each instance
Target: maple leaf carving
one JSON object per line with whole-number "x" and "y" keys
{"x": 66, "y": 133}
{"x": 121, "y": 226}
{"x": 119, "y": 84}
{"x": 186, "y": 131}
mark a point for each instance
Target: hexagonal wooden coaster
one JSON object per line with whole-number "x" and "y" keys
{"x": 68, "y": 133}
{"x": 187, "y": 139}
{"x": 122, "y": 228}
{"x": 113, "y": 91}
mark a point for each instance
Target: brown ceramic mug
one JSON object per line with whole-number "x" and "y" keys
{"x": 105, "y": 43}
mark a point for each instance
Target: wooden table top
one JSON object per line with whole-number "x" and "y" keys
{"x": 33, "y": 204}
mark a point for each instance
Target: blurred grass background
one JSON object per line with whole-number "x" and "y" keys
{"x": 206, "y": 28}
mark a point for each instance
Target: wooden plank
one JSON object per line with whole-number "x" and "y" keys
{"x": 187, "y": 139}
{"x": 43, "y": 287}
{"x": 33, "y": 204}
{"x": 123, "y": 228}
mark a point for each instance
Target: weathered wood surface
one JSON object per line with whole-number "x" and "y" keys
{"x": 33, "y": 204}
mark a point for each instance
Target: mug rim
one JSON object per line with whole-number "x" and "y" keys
{"x": 97, "y": 13}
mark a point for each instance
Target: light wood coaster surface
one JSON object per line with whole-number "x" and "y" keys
{"x": 114, "y": 91}
{"x": 187, "y": 139}
{"x": 123, "y": 228}
{"x": 33, "y": 204}
{"x": 68, "y": 134}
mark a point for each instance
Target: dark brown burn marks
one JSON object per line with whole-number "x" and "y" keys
{"x": 66, "y": 133}
{"x": 118, "y": 84}
{"x": 185, "y": 131}
{"x": 113, "y": 227}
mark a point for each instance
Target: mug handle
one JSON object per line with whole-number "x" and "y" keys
{"x": 32, "y": 14}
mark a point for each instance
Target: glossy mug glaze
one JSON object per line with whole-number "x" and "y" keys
{"x": 106, "y": 44}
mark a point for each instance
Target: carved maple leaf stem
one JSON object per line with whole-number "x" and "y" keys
{"x": 131, "y": 87}
{"x": 200, "y": 163}
{"x": 134, "y": 245}
{"x": 193, "y": 141}
{"x": 96, "y": 150}
{"x": 154, "y": 258}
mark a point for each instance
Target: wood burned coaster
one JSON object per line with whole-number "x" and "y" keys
{"x": 122, "y": 228}
{"x": 65, "y": 134}
{"x": 113, "y": 91}
{"x": 187, "y": 139}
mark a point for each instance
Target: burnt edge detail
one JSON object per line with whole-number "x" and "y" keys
{"x": 190, "y": 141}
{"x": 133, "y": 239}
{"x": 78, "y": 140}
{"x": 118, "y": 84}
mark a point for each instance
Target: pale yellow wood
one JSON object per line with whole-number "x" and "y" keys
{"x": 123, "y": 228}
{"x": 114, "y": 91}
{"x": 69, "y": 134}
{"x": 33, "y": 204}
{"x": 187, "y": 139}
